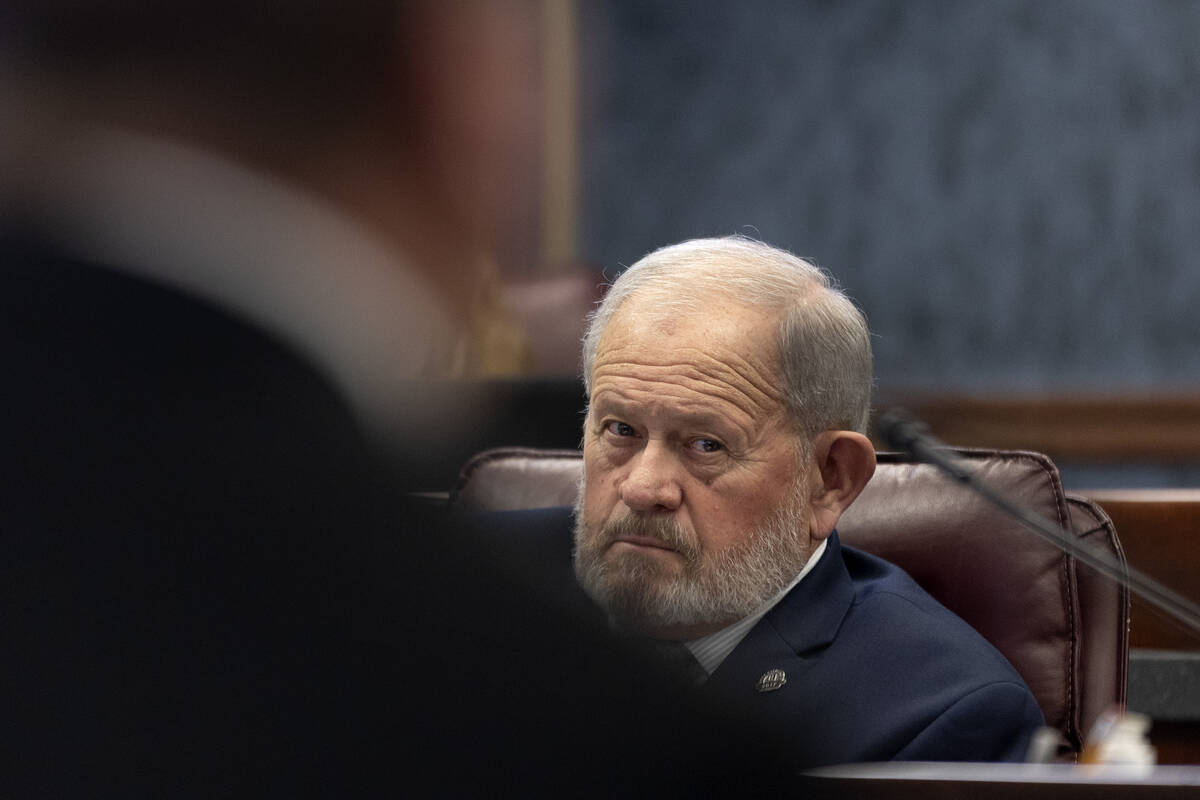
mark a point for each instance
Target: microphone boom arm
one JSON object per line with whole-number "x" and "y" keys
{"x": 905, "y": 433}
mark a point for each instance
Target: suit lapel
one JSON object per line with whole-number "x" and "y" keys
{"x": 788, "y": 638}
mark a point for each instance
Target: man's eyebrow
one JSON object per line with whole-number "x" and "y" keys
{"x": 608, "y": 403}
{"x": 717, "y": 423}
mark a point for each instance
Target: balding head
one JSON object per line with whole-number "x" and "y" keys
{"x": 822, "y": 347}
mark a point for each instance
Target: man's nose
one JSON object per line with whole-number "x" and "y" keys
{"x": 652, "y": 483}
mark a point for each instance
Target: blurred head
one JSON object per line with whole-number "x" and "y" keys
{"x": 729, "y": 384}
{"x": 418, "y": 117}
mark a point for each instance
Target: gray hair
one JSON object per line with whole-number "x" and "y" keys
{"x": 824, "y": 344}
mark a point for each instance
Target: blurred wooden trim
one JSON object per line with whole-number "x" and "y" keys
{"x": 1162, "y": 428}
{"x": 1159, "y": 530}
{"x": 1160, "y": 498}
{"x": 560, "y": 167}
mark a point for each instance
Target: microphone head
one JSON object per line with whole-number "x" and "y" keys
{"x": 899, "y": 430}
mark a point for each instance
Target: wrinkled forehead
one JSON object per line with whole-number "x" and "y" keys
{"x": 704, "y": 346}
{"x": 683, "y": 316}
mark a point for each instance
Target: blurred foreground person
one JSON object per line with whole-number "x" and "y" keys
{"x": 235, "y": 238}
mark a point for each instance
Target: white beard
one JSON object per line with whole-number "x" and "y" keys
{"x": 641, "y": 594}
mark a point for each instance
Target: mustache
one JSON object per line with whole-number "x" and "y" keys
{"x": 654, "y": 526}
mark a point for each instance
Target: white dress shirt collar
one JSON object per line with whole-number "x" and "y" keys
{"x": 712, "y": 649}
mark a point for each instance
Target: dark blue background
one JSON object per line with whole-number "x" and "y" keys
{"x": 1011, "y": 190}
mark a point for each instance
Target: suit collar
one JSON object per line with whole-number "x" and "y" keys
{"x": 806, "y": 619}
{"x": 811, "y": 614}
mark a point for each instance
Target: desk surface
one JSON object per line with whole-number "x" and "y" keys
{"x": 928, "y": 781}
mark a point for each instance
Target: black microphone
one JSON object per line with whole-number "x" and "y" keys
{"x": 901, "y": 431}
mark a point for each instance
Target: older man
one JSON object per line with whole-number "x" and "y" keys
{"x": 729, "y": 387}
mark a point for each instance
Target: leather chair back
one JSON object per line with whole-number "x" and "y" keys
{"x": 1061, "y": 625}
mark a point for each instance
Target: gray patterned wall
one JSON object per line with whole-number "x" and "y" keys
{"x": 1010, "y": 189}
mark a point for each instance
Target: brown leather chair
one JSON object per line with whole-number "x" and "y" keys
{"x": 1064, "y": 627}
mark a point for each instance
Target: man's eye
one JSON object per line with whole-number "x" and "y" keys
{"x": 708, "y": 445}
{"x": 620, "y": 429}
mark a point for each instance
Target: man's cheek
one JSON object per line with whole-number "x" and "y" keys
{"x": 597, "y": 504}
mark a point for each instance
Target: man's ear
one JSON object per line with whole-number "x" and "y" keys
{"x": 846, "y": 461}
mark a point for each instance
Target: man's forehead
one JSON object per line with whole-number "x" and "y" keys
{"x": 653, "y": 318}
{"x": 728, "y": 354}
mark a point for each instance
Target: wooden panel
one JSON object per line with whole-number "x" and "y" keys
{"x": 1079, "y": 427}
{"x": 560, "y": 168}
{"x": 1160, "y": 531}
{"x": 1176, "y": 742}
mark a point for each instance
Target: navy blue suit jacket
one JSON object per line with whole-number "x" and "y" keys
{"x": 876, "y": 668}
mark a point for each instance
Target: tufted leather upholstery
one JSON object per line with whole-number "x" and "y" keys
{"x": 1064, "y": 627}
